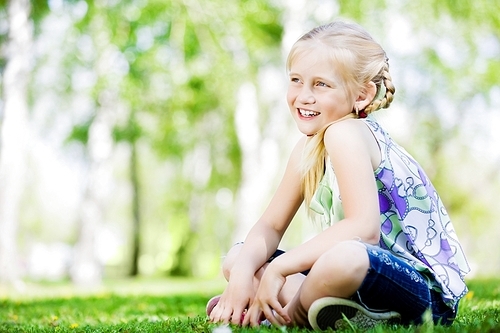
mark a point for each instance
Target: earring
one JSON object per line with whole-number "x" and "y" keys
{"x": 357, "y": 110}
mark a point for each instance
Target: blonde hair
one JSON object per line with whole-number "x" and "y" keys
{"x": 358, "y": 60}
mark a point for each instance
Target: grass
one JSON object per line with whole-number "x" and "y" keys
{"x": 178, "y": 309}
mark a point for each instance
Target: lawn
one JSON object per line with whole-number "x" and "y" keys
{"x": 179, "y": 306}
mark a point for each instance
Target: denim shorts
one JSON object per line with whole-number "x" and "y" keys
{"x": 391, "y": 284}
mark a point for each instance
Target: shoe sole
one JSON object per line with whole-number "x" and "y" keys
{"x": 330, "y": 312}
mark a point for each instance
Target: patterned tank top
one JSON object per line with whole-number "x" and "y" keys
{"x": 414, "y": 222}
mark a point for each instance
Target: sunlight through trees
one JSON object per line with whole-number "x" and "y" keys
{"x": 146, "y": 136}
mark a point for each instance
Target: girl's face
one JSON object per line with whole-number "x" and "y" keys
{"x": 315, "y": 95}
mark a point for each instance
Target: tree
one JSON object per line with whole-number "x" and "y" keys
{"x": 183, "y": 69}
{"x": 14, "y": 132}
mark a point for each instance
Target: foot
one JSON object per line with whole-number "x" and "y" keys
{"x": 337, "y": 313}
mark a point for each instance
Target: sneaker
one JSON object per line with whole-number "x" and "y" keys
{"x": 211, "y": 304}
{"x": 330, "y": 312}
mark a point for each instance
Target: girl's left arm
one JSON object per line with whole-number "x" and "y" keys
{"x": 355, "y": 155}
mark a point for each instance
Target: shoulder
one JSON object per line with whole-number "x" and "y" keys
{"x": 352, "y": 141}
{"x": 347, "y": 133}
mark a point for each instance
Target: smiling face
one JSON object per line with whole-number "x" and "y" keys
{"x": 316, "y": 95}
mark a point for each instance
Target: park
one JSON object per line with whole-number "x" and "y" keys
{"x": 140, "y": 140}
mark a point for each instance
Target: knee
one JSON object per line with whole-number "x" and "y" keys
{"x": 230, "y": 259}
{"x": 347, "y": 259}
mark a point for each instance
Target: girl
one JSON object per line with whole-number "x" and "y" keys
{"x": 388, "y": 251}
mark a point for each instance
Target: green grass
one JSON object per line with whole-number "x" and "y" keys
{"x": 177, "y": 310}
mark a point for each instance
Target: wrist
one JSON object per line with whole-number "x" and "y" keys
{"x": 278, "y": 267}
{"x": 241, "y": 272}
{"x": 285, "y": 265}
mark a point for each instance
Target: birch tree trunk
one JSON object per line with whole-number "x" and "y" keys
{"x": 14, "y": 133}
{"x": 86, "y": 269}
{"x": 249, "y": 198}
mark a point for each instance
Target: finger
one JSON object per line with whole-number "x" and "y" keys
{"x": 237, "y": 316}
{"x": 255, "y": 319}
{"x": 252, "y": 317}
{"x": 276, "y": 314}
{"x": 215, "y": 314}
{"x": 268, "y": 312}
{"x": 239, "y": 313}
{"x": 281, "y": 320}
{"x": 227, "y": 315}
{"x": 220, "y": 314}
{"x": 281, "y": 314}
{"x": 246, "y": 319}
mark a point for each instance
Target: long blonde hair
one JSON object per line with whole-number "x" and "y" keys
{"x": 359, "y": 60}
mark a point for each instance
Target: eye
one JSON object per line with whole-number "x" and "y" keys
{"x": 295, "y": 80}
{"x": 322, "y": 84}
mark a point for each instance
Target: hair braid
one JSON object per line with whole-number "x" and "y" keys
{"x": 383, "y": 102}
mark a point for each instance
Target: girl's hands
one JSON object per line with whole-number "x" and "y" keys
{"x": 233, "y": 302}
{"x": 266, "y": 301}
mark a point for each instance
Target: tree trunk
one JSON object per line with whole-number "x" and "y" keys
{"x": 14, "y": 133}
{"x": 86, "y": 269}
{"x": 250, "y": 194}
{"x": 136, "y": 214}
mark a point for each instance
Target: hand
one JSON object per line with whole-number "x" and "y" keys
{"x": 233, "y": 302}
{"x": 266, "y": 301}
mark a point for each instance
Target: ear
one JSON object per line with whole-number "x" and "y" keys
{"x": 366, "y": 95}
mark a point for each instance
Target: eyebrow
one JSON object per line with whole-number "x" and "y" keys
{"x": 332, "y": 80}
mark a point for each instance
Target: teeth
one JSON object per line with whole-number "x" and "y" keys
{"x": 308, "y": 113}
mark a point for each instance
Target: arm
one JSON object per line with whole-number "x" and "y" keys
{"x": 354, "y": 154}
{"x": 261, "y": 242}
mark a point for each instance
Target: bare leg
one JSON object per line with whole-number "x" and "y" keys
{"x": 337, "y": 273}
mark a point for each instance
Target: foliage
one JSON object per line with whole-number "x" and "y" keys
{"x": 478, "y": 312}
{"x": 180, "y": 90}
{"x": 175, "y": 67}
{"x": 3, "y": 38}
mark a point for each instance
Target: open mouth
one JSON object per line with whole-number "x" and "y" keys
{"x": 308, "y": 113}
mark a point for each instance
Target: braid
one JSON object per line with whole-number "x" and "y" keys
{"x": 384, "y": 101}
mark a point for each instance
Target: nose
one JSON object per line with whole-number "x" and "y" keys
{"x": 306, "y": 96}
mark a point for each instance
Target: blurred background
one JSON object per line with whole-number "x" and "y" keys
{"x": 145, "y": 137}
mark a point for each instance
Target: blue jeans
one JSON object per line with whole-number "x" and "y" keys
{"x": 393, "y": 285}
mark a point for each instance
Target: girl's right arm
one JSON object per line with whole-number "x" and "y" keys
{"x": 261, "y": 242}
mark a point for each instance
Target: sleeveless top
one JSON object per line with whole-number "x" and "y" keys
{"x": 414, "y": 223}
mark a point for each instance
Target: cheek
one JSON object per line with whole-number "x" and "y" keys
{"x": 290, "y": 96}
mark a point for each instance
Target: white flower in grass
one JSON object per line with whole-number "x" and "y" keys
{"x": 222, "y": 329}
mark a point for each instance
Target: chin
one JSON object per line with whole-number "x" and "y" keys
{"x": 307, "y": 132}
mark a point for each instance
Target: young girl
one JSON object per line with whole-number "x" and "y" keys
{"x": 388, "y": 251}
